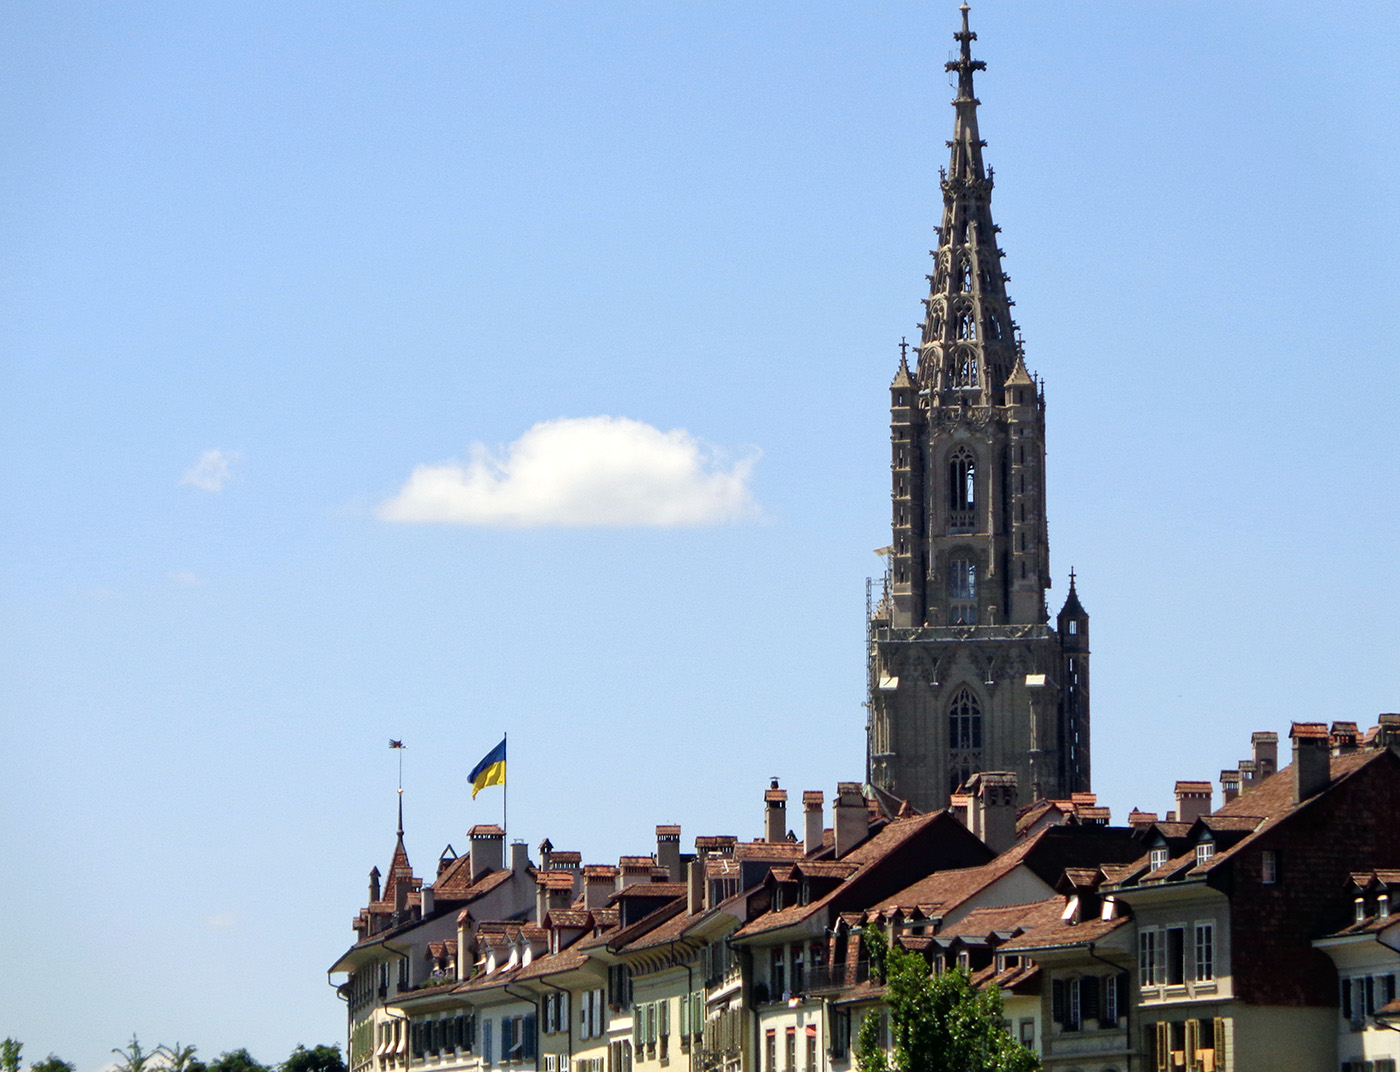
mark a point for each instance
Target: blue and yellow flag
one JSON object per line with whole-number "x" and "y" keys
{"x": 491, "y": 770}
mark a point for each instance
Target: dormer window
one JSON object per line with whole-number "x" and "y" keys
{"x": 1383, "y": 906}
{"x": 1360, "y": 909}
{"x": 1204, "y": 851}
{"x": 1158, "y": 857}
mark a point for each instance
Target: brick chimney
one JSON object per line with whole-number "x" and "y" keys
{"x": 373, "y": 885}
{"x": 774, "y": 814}
{"x": 994, "y": 798}
{"x": 695, "y": 886}
{"x": 599, "y": 883}
{"x": 1192, "y": 800}
{"x": 488, "y": 849}
{"x": 1388, "y": 730}
{"x": 1229, "y": 785}
{"x": 668, "y": 851}
{"x": 1343, "y": 738}
{"x": 1248, "y": 778}
{"x": 850, "y": 817}
{"x": 1265, "y": 754}
{"x": 1311, "y": 761}
{"x": 813, "y": 822}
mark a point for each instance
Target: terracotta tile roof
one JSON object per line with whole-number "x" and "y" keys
{"x": 715, "y": 841}
{"x": 668, "y": 831}
{"x": 486, "y": 830}
{"x": 1056, "y": 933}
{"x": 642, "y": 863}
{"x": 455, "y": 883}
{"x": 1308, "y": 731}
{"x": 650, "y": 889}
{"x": 768, "y": 850}
{"x": 1195, "y": 787}
{"x": 568, "y": 918}
{"x": 620, "y": 937}
{"x": 600, "y": 871}
{"x": 555, "y": 880}
{"x": 1230, "y": 823}
{"x": 825, "y": 868}
{"x": 1141, "y": 818}
{"x": 775, "y": 795}
{"x": 664, "y": 934}
{"x": 606, "y": 917}
{"x": 1004, "y": 919}
{"x": 562, "y": 858}
{"x": 888, "y": 840}
{"x": 812, "y": 796}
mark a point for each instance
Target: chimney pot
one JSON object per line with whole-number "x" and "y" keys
{"x": 1312, "y": 765}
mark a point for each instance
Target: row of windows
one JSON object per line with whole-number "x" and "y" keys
{"x": 1103, "y": 1000}
{"x": 790, "y": 1050}
{"x": 1186, "y": 1044}
{"x": 1362, "y": 995}
{"x": 1163, "y": 955}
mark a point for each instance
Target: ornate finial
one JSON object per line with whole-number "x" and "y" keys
{"x": 1071, "y": 578}
{"x": 904, "y": 349}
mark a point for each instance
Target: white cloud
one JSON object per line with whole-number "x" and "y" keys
{"x": 579, "y": 472}
{"x": 212, "y": 471}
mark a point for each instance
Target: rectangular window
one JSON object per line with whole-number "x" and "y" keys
{"x": 1028, "y": 1032}
{"x": 798, "y": 975}
{"x": 811, "y": 1049}
{"x": 1176, "y": 956}
{"x": 1205, "y": 952}
{"x": 1149, "y": 961}
{"x": 1268, "y": 868}
{"x": 1073, "y": 1009}
{"x": 1157, "y": 858}
{"x": 1204, "y": 851}
{"x": 790, "y": 1050}
{"x": 770, "y": 1051}
{"x": 1110, "y": 1002}
{"x": 777, "y": 975}
{"x": 840, "y": 1033}
{"x": 486, "y": 1053}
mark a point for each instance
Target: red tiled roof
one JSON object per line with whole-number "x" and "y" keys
{"x": 555, "y": 880}
{"x": 486, "y": 830}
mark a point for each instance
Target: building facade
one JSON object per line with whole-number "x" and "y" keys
{"x": 966, "y": 672}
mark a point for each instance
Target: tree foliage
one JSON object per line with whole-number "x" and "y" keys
{"x": 938, "y": 1022}
{"x": 53, "y": 1063}
{"x": 239, "y": 1060}
{"x": 10, "y": 1050}
{"x": 135, "y": 1059}
{"x": 179, "y": 1058}
{"x": 316, "y": 1059}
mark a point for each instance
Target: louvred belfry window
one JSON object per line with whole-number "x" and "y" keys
{"x": 964, "y": 737}
{"x": 962, "y": 490}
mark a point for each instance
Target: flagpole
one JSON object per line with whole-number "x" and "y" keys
{"x": 505, "y": 789}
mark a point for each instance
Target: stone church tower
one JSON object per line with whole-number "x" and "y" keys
{"x": 966, "y": 674}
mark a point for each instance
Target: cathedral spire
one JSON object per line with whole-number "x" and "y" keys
{"x": 966, "y": 351}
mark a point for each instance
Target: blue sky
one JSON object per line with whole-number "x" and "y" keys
{"x": 332, "y": 244}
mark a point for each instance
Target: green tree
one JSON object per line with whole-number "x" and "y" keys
{"x": 239, "y": 1060}
{"x": 9, "y": 1054}
{"x": 52, "y": 1063}
{"x": 938, "y": 1022}
{"x": 179, "y": 1058}
{"x": 316, "y": 1059}
{"x": 134, "y": 1059}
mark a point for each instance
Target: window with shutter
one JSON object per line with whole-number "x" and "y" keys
{"x": 1161, "y": 1045}
{"x": 528, "y": 1041}
{"x": 1057, "y": 1001}
{"x": 1217, "y": 1031}
{"x": 1193, "y": 1046}
{"x": 1089, "y": 995}
{"x": 639, "y": 1020}
{"x": 486, "y": 1056}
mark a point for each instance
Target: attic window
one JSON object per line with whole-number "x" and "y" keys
{"x": 1268, "y": 868}
{"x": 1360, "y": 909}
{"x": 1157, "y": 858}
{"x": 1204, "y": 851}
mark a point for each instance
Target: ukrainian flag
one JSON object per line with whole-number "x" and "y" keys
{"x": 490, "y": 771}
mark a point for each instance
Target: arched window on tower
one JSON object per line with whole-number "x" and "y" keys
{"x": 964, "y": 737}
{"x": 967, "y": 324}
{"x": 962, "y": 591}
{"x": 962, "y": 491}
{"x": 966, "y": 270}
{"x": 960, "y": 370}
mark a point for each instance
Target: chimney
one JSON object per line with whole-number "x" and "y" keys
{"x": 812, "y": 821}
{"x": 1312, "y": 768}
{"x": 1343, "y": 738}
{"x": 849, "y": 817}
{"x": 775, "y": 814}
{"x": 429, "y": 902}
{"x": 1141, "y": 819}
{"x": 1192, "y": 800}
{"x": 599, "y": 883}
{"x": 994, "y": 806}
{"x": 960, "y": 804}
{"x": 519, "y": 857}
{"x": 1247, "y": 775}
{"x": 400, "y": 898}
{"x": 1265, "y": 754}
{"x": 546, "y": 849}
{"x": 1388, "y": 730}
{"x": 488, "y": 845}
{"x": 695, "y": 887}
{"x": 633, "y": 869}
{"x": 1229, "y": 785}
{"x": 668, "y": 851}
{"x": 373, "y": 885}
